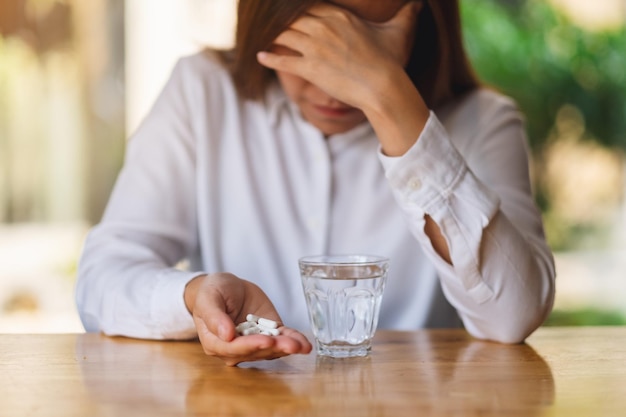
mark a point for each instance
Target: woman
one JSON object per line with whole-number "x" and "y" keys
{"x": 351, "y": 126}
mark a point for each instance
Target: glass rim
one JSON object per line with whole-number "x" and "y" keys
{"x": 343, "y": 259}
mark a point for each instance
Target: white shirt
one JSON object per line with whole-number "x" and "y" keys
{"x": 248, "y": 187}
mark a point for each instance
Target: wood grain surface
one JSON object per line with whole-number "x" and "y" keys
{"x": 558, "y": 372}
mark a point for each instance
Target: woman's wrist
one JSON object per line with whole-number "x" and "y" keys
{"x": 398, "y": 114}
{"x": 191, "y": 291}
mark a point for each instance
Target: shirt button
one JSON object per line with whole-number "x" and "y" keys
{"x": 415, "y": 184}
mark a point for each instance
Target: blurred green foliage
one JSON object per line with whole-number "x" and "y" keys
{"x": 533, "y": 53}
{"x": 586, "y": 317}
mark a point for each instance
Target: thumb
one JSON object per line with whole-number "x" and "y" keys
{"x": 215, "y": 318}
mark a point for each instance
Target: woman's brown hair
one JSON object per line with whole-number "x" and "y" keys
{"x": 438, "y": 64}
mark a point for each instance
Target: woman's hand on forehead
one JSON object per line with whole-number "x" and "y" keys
{"x": 348, "y": 57}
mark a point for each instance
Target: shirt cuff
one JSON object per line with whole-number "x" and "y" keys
{"x": 168, "y": 305}
{"x": 433, "y": 178}
{"x": 429, "y": 170}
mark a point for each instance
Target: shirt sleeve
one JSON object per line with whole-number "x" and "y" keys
{"x": 127, "y": 275}
{"x": 501, "y": 280}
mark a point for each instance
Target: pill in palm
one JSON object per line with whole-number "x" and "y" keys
{"x": 257, "y": 325}
{"x": 268, "y": 330}
{"x": 267, "y": 323}
{"x": 244, "y": 326}
{"x": 252, "y": 318}
{"x": 251, "y": 330}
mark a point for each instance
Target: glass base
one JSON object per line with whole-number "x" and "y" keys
{"x": 339, "y": 349}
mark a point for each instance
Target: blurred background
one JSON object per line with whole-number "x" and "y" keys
{"x": 76, "y": 77}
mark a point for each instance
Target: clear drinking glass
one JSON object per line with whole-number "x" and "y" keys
{"x": 343, "y": 295}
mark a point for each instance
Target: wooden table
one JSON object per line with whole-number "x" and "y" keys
{"x": 559, "y": 372}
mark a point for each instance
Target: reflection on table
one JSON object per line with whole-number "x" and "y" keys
{"x": 433, "y": 373}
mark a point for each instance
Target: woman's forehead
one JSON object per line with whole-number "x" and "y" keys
{"x": 373, "y": 10}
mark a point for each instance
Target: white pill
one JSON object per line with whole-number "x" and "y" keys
{"x": 257, "y": 325}
{"x": 252, "y": 318}
{"x": 251, "y": 330}
{"x": 268, "y": 330}
{"x": 244, "y": 325}
{"x": 267, "y": 323}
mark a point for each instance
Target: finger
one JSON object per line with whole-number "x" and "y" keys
{"x": 289, "y": 341}
{"x": 257, "y": 356}
{"x": 304, "y": 346}
{"x": 308, "y": 23}
{"x": 285, "y": 51}
{"x": 324, "y": 20}
{"x": 278, "y": 62}
{"x": 238, "y": 347}
{"x": 300, "y": 63}
{"x": 253, "y": 348}
{"x": 294, "y": 40}
{"x": 292, "y": 343}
